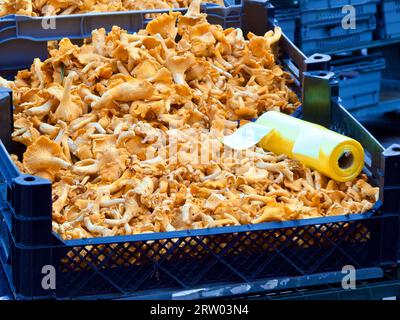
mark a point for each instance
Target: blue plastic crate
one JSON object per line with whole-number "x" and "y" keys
{"x": 389, "y": 102}
{"x": 390, "y": 19}
{"x": 78, "y": 26}
{"x": 329, "y": 29}
{"x": 386, "y": 288}
{"x": 287, "y": 20}
{"x": 359, "y": 80}
{"x": 321, "y": 25}
{"x": 335, "y": 13}
{"x": 335, "y": 43}
{"x": 19, "y": 32}
{"x": 120, "y": 266}
{"x": 306, "y": 5}
{"x": 329, "y": 4}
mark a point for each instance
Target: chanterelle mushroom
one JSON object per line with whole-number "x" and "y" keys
{"x": 25, "y": 132}
{"x": 164, "y": 25}
{"x": 44, "y": 158}
{"x": 178, "y": 66}
{"x": 127, "y": 91}
{"x": 70, "y": 107}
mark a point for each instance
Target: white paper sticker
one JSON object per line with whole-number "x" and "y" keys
{"x": 308, "y": 143}
{"x": 246, "y": 136}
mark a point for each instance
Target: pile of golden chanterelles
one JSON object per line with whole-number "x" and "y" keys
{"x": 63, "y": 7}
{"x": 119, "y": 123}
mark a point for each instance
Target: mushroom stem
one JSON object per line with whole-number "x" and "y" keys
{"x": 221, "y": 60}
{"x": 98, "y": 127}
{"x": 121, "y": 68}
{"x": 54, "y": 162}
{"x": 194, "y": 8}
{"x": 111, "y": 202}
{"x": 61, "y": 133}
{"x": 66, "y": 97}
{"x": 18, "y": 132}
{"x": 81, "y": 122}
{"x": 40, "y": 111}
{"x": 38, "y": 71}
{"x": 68, "y": 110}
{"x": 178, "y": 65}
{"x": 223, "y": 72}
{"x": 72, "y": 146}
{"x": 97, "y": 229}
{"x": 88, "y": 169}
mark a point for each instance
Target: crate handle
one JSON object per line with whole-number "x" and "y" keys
{"x": 6, "y": 116}
{"x": 390, "y": 179}
{"x": 321, "y": 105}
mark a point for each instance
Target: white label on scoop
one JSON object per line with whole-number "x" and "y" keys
{"x": 246, "y": 136}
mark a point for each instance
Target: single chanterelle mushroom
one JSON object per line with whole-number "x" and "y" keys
{"x": 178, "y": 66}
{"x": 44, "y": 158}
{"x": 24, "y": 132}
{"x": 164, "y": 25}
{"x": 125, "y": 92}
{"x": 70, "y": 107}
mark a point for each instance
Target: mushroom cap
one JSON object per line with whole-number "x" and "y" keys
{"x": 165, "y": 25}
{"x": 44, "y": 155}
{"x": 25, "y": 132}
{"x": 146, "y": 69}
{"x": 180, "y": 63}
{"x": 71, "y": 106}
{"x": 126, "y": 92}
{"x": 178, "y": 66}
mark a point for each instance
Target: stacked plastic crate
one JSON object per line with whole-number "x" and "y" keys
{"x": 389, "y": 25}
{"x": 17, "y": 32}
{"x": 287, "y": 17}
{"x": 327, "y": 25}
{"x": 359, "y": 81}
{"x": 287, "y": 20}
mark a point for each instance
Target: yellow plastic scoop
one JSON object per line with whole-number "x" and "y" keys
{"x": 338, "y": 157}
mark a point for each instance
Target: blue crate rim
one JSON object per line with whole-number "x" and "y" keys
{"x": 207, "y": 5}
{"x": 375, "y": 65}
{"x": 366, "y": 2}
{"x": 213, "y": 231}
{"x": 266, "y": 226}
{"x": 362, "y": 17}
{"x": 342, "y": 42}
